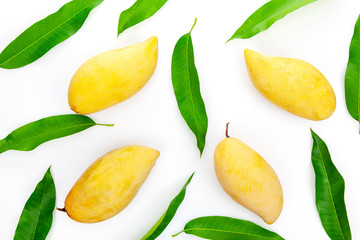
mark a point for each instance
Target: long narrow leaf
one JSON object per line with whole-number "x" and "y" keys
{"x": 352, "y": 77}
{"x": 330, "y": 189}
{"x": 226, "y": 228}
{"x": 267, "y": 15}
{"x": 31, "y": 135}
{"x": 38, "y": 39}
{"x": 138, "y": 12}
{"x": 36, "y": 219}
{"x": 168, "y": 215}
{"x": 186, "y": 85}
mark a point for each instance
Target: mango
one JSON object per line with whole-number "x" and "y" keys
{"x": 248, "y": 179}
{"x": 292, "y": 84}
{"x": 112, "y": 77}
{"x": 109, "y": 184}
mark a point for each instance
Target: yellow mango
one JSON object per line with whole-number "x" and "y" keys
{"x": 292, "y": 84}
{"x": 112, "y": 77}
{"x": 109, "y": 184}
{"x": 248, "y": 179}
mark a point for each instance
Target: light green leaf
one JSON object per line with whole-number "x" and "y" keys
{"x": 267, "y": 15}
{"x": 186, "y": 85}
{"x": 31, "y": 135}
{"x": 36, "y": 219}
{"x": 329, "y": 190}
{"x": 140, "y": 11}
{"x": 226, "y": 228}
{"x": 352, "y": 77}
{"x": 38, "y": 39}
{"x": 168, "y": 215}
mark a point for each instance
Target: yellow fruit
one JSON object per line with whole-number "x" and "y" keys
{"x": 109, "y": 184}
{"x": 292, "y": 84}
{"x": 248, "y": 179}
{"x": 112, "y": 77}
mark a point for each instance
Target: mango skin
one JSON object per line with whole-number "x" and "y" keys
{"x": 112, "y": 77}
{"x": 110, "y": 184}
{"x": 248, "y": 179}
{"x": 292, "y": 84}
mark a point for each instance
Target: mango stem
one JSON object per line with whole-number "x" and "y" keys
{"x": 227, "y": 130}
{"x": 61, "y": 209}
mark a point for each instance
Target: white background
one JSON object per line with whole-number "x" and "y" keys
{"x": 319, "y": 33}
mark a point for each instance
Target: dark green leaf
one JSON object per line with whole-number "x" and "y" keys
{"x": 140, "y": 11}
{"x": 31, "y": 135}
{"x": 36, "y": 218}
{"x": 267, "y": 15}
{"x": 329, "y": 190}
{"x": 165, "y": 219}
{"x": 38, "y": 39}
{"x": 352, "y": 77}
{"x": 226, "y": 228}
{"x": 186, "y": 85}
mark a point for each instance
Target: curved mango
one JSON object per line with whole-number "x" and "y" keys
{"x": 112, "y": 77}
{"x": 248, "y": 179}
{"x": 292, "y": 84}
{"x": 109, "y": 184}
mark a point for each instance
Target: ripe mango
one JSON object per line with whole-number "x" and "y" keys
{"x": 112, "y": 77}
{"x": 292, "y": 84}
{"x": 109, "y": 184}
{"x": 248, "y": 179}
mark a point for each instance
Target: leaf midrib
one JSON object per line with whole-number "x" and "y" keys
{"x": 328, "y": 183}
{"x": 226, "y": 231}
{"x": 188, "y": 74}
{"x": 358, "y": 30}
{"x": 17, "y": 54}
{"x": 49, "y": 133}
{"x": 42, "y": 200}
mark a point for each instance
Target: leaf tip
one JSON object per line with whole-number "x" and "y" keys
{"x": 313, "y": 134}
{"x": 192, "y": 175}
{"x": 229, "y": 40}
{"x": 120, "y": 30}
{"x": 48, "y": 171}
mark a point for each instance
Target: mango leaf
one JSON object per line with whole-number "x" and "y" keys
{"x": 36, "y": 219}
{"x": 186, "y": 85}
{"x": 31, "y": 135}
{"x": 168, "y": 215}
{"x": 352, "y": 77}
{"x": 267, "y": 15}
{"x": 226, "y": 228}
{"x": 39, "y": 38}
{"x": 140, "y": 11}
{"x": 329, "y": 190}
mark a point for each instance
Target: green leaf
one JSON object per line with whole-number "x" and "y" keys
{"x": 186, "y": 85}
{"x": 226, "y": 228}
{"x": 329, "y": 190}
{"x": 352, "y": 77}
{"x": 39, "y": 38}
{"x": 31, "y": 135}
{"x": 169, "y": 214}
{"x": 267, "y": 15}
{"x": 140, "y": 11}
{"x": 36, "y": 218}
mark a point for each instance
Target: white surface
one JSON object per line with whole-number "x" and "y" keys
{"x": 319, "y": 33}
